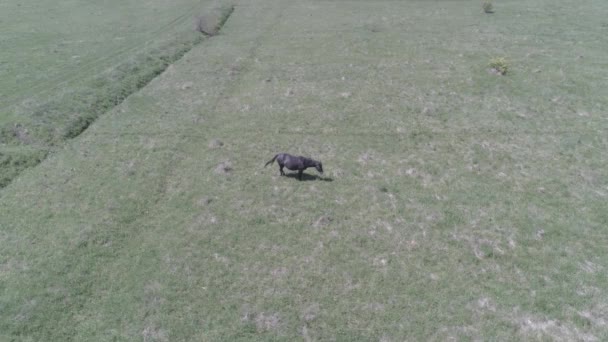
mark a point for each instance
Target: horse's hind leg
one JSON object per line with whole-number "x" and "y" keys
{"x": 281, "y": 169}
{"x": 300, "y": 174}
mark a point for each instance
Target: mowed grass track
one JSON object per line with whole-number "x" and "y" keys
{"x": 456, "y": 204}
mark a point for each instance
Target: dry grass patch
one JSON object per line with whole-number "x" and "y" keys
{"x": 153, "y": 333}
{"x": 541, "y": 328}
{"x": 267, "y": 322}
{"x": 204, "y": 201}
{"x": 215, "y": 143}
{"x": 535, "y": 326}
{"x": 224, "y": 167}
{"x": 597, "y": 315}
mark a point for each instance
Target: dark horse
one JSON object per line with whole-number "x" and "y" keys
{"x": 295, "y": 163}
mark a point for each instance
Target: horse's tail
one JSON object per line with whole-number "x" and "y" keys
{"x": 271, "y": 160}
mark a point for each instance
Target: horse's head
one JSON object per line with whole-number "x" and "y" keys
{"x": 319, "y": 167}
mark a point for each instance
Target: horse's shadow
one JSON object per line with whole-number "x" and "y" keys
{"x": 307, "y": 177}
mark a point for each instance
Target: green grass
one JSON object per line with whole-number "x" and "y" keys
{"x": 456, "y": 204}
{"x": 113, "y": 55}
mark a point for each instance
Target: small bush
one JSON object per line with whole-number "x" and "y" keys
{"x": 487, "y": 7}
{"x": 499, "y": 66}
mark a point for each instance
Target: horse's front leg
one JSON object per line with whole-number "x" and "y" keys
{"x": 300, "y": 174}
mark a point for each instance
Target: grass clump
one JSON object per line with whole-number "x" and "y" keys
{"x": 487, "y": 7}
{"x": 14, "y": 162}
{"x": 210, "y": 24}
{"x": 499, "y": 66}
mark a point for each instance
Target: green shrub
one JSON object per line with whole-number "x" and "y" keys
{"x": 499, "y": 66}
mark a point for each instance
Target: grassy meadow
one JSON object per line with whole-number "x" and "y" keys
{"x": 65, "y": 63}
{"x": 456, "y": 204}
